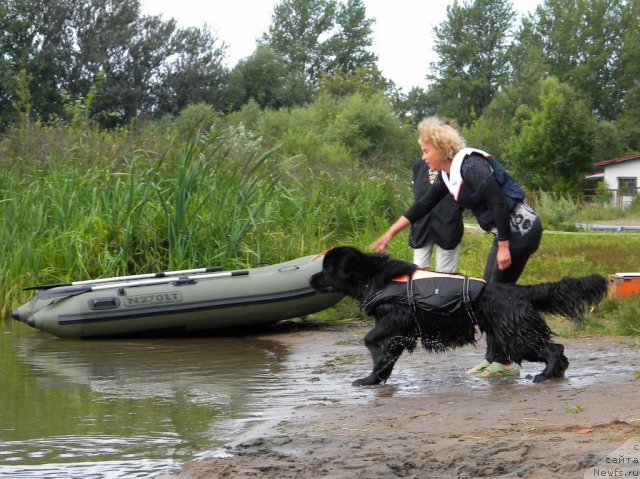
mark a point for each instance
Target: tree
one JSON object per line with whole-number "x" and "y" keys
{"x": 103, "y": 29}
{"x": 263, "y": 77}
{"x": 349, "y": 48}
{"x": 320, "y": 36}
{"x": 295, "y": 31}
{"x": 553, "y": 142}
{"x": 364, "y": 80}
{"x": 34, "y": 41}
{"x": 471, "y": 45}
{"x": 15, "y": 43}
{"x": 146, "y": 66}
{"x": 415, "y": 105}
{"x": 195, "y": 74}
{"x": 580, "y": 43}
{"x": 628, "y": 75}
{"x": 498, "y": 122}
{"x": 608, "y": 142}
{"x": 133, "y": 76}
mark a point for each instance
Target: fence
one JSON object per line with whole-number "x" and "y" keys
{"x": 620, "y": 198}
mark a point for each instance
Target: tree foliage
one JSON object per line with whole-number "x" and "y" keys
{"x": 149, "y": 66}
{"x": 263, "y": 78}
{"x": 471, "y": 45}
{"x": 580, "y": 44}
{"x": 628, "y": 81}
{"x": 364, "y": 80}
{"x": 553, "y": 141}
{"x": 321, "y": 36}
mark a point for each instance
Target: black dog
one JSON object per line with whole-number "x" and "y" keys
{"x": 443, "y": 310}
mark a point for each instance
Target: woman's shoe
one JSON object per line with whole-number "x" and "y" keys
{"x": 499, "y": 370}
{"x": 477, "y": 369}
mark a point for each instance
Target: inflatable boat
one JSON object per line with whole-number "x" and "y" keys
{"x": 177, "y": 303}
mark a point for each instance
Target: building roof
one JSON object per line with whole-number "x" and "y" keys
{"x": 595, "y": 176}
{"x": 635, "y": 156}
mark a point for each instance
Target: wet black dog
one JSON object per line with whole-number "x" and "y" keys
{"x": 445, "y": 309}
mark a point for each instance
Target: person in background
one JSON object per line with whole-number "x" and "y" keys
{"x": 477, "y": 182}
{"x": 439, "y": 231}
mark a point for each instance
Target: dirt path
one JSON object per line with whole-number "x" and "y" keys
{"x": 433, "y": 421}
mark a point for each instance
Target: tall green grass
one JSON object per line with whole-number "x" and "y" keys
{"x": 165, "y": 198}
{"x": 214, "y": 198}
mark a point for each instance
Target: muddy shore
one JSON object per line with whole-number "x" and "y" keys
{"x": 433, "y": 421}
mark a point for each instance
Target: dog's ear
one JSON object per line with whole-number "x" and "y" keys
{"x": 341, "y": 261}
{"x": 351, "y": 264}
{"x": 346, "y": 264}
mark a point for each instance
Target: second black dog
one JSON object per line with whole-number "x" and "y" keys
{"x": 443, "y": 310}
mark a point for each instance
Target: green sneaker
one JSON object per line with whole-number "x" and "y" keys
{"x": 499, "y": 370}
{"x": 477, "y": 369}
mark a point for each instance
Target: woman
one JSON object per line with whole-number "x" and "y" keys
{"x": 481, "y": 184}
{"x": 437, "y": 233}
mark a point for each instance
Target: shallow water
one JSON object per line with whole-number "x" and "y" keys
{"x": 133, "y": 408}
{"x": 138, "y": 408}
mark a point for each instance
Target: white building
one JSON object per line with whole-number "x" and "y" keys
{"x": 622, "y": 177}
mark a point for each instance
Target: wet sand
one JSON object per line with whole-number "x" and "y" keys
{"x": 433, "y": 421}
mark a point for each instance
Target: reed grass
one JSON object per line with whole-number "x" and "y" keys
{"x": 213, "y": 199}
{"x": 170, "y": 200}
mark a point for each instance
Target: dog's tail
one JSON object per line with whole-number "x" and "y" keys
{"x": 569, "y": 297}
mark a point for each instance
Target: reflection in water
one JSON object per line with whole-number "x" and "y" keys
{"x": 126, "y": 408}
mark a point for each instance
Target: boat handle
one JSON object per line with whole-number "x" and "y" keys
{"x": 286, "y": 269}
{"x": 104, "y": 303}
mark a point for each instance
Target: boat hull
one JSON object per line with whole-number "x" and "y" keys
{"x": 261, "y": 296}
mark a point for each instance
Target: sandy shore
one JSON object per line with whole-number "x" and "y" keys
{"x": 433, "y": 421}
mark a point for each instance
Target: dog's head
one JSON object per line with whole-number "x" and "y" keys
{"x": 350, "y": 271}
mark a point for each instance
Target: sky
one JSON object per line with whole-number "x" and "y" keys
{"x": 402, "y": 33}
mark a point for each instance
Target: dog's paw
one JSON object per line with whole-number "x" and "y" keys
{"x": 370, "y": 380}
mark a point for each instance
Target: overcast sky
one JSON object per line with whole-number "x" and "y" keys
{"x": 402, "y": 33}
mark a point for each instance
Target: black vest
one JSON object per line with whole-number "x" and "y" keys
{"x": 438, "y": 293}
{"x": 481, "y": 209}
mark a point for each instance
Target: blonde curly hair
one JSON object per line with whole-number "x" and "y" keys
{"x": 442, "y": 134}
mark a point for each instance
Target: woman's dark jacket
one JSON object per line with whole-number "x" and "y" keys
{"x": 443, "y": 224}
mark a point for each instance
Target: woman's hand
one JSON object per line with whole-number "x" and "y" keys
{"x": 503, "y": 257}
{"x": 381, "y": 243}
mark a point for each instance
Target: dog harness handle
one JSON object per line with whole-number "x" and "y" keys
{"x": 410, "y": 295}
{"x": 466, "y": 300}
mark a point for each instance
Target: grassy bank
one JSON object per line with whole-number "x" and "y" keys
{"x": 214, "y": 198}
{"x": 83, "y": 204}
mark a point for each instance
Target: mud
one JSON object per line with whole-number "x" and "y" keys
{"x": 431, "y": 420}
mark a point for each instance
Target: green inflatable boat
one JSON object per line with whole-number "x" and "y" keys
{"x": 177, "y": 303}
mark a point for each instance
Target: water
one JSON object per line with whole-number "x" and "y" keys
{"x": 135, "y": 408}
{"x": 139, "y": 408}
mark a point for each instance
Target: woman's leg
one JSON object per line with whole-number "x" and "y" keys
{"x": 446, "y": 260}
{"x": 422, "y": 256}
{"x": 521, "y": 249}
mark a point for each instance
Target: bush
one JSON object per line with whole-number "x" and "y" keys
{"x": 634, "y": 209}
{"x": 339, "y": 132}
{"x": 367, "y": 126}
{"x": 556, "y": 210}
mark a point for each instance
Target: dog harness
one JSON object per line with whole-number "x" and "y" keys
{"x": 438, "y": 293}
